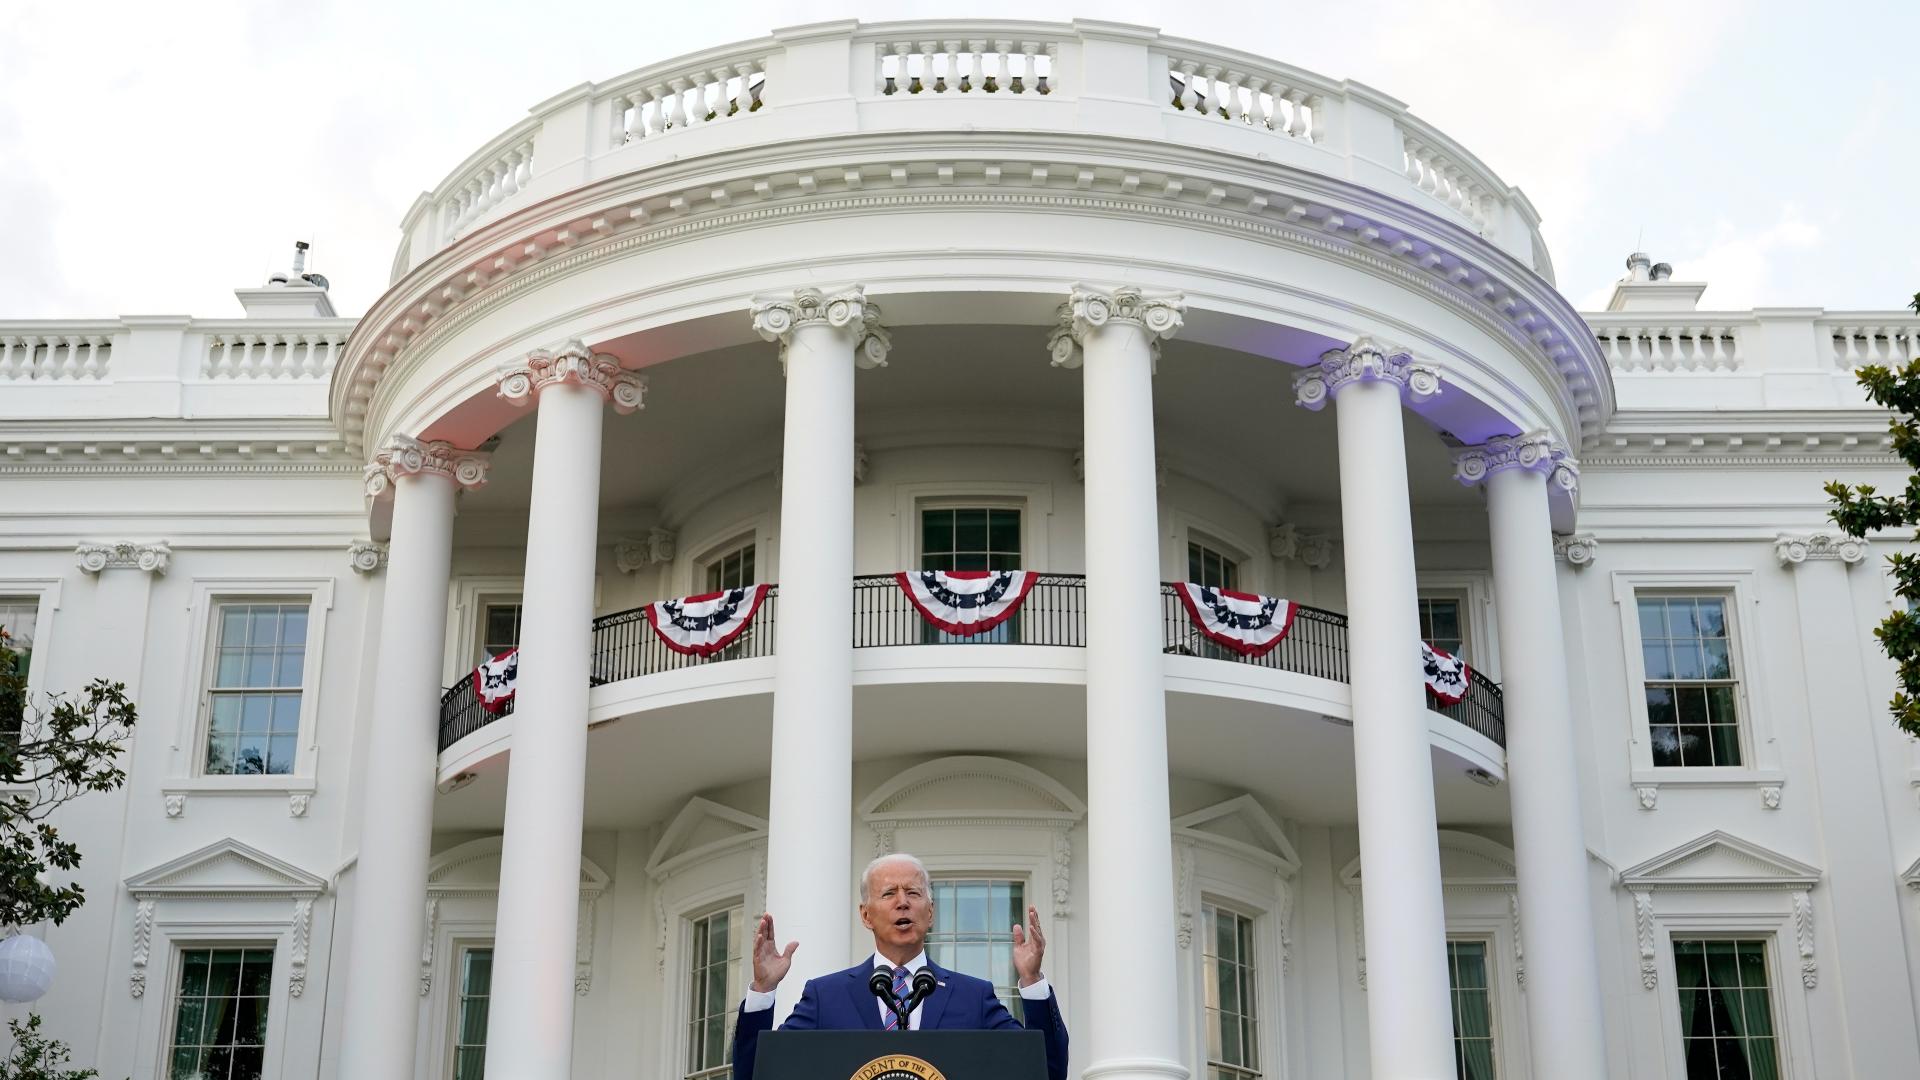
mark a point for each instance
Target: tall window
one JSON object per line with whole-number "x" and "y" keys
{"x": 1233, "y": 1044}
{"x": 220, "y": 1014}
{"x": 1691, "y": 689}
{"x": 254, "y": 702}
{"x": 1726, "y": 1009}
{"x": 734, "y": 570}
{"x": 499, "y": 628}
{"x": 470, "y": 1014}
{"x": 1472, "y": 1010}
{"x": 714, "y": 992}
{"x": 17, "y": 615}
{"x": 1205, "y": 566}
{"x": 1441, "y": 626}
{"x": 971, "y": 538}
{"x": 973, "y": 921}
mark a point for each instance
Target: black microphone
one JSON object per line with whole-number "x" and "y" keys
{"x": 923, "y": 984}
{"x": 881, "y": 983}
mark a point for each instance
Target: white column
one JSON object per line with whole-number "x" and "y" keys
{"x": 1566, "y": 1024}
{"x": 1409, "y": 1013}
{"x": 396, "y": 825}
{"x": 530, "y": 1025}
{"x": 823, "y": 337}
{"x": 1130, "y": 919}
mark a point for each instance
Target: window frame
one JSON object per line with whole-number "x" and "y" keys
{"x": 1024, "y": 881}
{"x": 1260, "y": 981}
{"x": 718, "y": 554}
{"x": 177, "y": 931}
{"x": 1034, "y": 501}
{"x": 211, "y": 693}
{"x": 195, "y": 717}
{"x": 1761, "y": 764}
{"x": 1730, "y": 915}
{"x": 1494, "y": 990}
{"x": 1770, "y": 947}
{"x": 924, "y": 506}
{"x": 1254, "y": 566}
{"x": 45, "y": 593}
{"x": 1229, "y": 557}
{"x": 1742, "y": 730}
{"x": 683, "y": 970}
{"x": 176, "y": 968}
{"x": 1474, "y": 589}
{"x": 460, "y": 944}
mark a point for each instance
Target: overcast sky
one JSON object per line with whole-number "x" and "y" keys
{"x": 154, "y": 156}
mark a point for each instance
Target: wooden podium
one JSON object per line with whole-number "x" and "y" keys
{"x": 901, "y": 1055}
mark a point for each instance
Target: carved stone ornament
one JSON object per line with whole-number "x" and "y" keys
{"x": 297, "y": 803}
{"x": 1158, "y": 314}
{"x": 1536, "y": 451}
{"x": 1365, "y": 360}
{"x": 151, "y": 558}
{"x": 1794, "y": 550}
{"x": 407, "y": 456}
{"x": 175, "y": 804}
{"x": 1314, "y": 550}
{"x": 1770, "y": 797}
{"x": 778, "y": 318}
{"x": 1578, "y": 551}
{"x": 366, "y": 556}
{"x": 635, "y": 554}
{"x": 1649, "y": 797}
{"x": 522, "y": 380}
{"x": 1643, "y": 928}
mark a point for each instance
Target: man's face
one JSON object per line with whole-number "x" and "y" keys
{"x": 897, "y": 909}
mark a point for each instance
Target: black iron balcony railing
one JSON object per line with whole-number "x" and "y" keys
{"x": 1055, "y": 613}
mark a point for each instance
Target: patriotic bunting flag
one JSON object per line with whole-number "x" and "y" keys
{"x": 966, "y": 602}
{"x": 495, "y": 680}
{"x": 703, "y": 625}
{"x": 1249, "y": 624}
{"x": 1447, "y": 676}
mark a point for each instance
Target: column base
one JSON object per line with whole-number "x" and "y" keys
{"x": 1134, "y": 1069}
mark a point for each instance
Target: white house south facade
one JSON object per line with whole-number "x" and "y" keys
{"x": 1147, "y": 482}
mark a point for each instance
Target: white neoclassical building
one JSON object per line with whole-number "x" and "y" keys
{"x": 1124, "y": 310}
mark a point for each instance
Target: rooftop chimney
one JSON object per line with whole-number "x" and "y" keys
{"x": 294, "y": 294}
{"x": 1648, "y": 286}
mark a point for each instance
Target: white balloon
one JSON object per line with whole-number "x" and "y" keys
{"x": 26, "y": 968}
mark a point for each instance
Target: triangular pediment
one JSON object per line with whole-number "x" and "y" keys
{"x": 972, "y": 786}
{"x": 474, "y": 867}
{"x": 226, "y": 868}
{"x": 1912, "y": 876}
{"x": 702, "y": 829}
{"x": 1467, "y": 861}
{"x": 1720, "y": 860}
{"x": 1240, "y": 826}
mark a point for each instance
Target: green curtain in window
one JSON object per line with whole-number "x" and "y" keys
{"x": 1472, "y": 1019}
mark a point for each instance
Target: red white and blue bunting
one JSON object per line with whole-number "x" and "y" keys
{"x": 495, "y": 680}
{"x": 1247, "y": 623}
{"x": 703, "y": 625}
{"x": 1447, "y": 676}
{"x": 966, "y": 602}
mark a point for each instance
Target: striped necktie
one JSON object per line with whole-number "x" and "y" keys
{"x": 899, "y": 994}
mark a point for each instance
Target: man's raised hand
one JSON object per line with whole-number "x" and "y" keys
{"x": 770, "y": 964}
{"x": 1029, "y": 948}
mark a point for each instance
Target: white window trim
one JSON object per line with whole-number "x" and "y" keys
{"x": 461, "y": 935}
{"x": 1475, "y": 593}
{"x": 157, "y": 1013}
{"x": 1185, "y": 529}
{"x": 1034, "y": 501}
{"x": 190, "y": 726}
{"x": 466, "y": 600}
{"x": 1762, "y": 752}
{"x": 1508, "y": 1001}
{"x": 46, "y": 594}
{"x": 688, "y": 906}
{"x": 1792, "y": 1022}
{"x": 755, "y": 532}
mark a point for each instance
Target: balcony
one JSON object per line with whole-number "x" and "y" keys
{"x": 1054, "y": 614}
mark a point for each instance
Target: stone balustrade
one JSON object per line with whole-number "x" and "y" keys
{"x": 1084, "y": 78}
{"x": 244, "y": 352}
{"x": 1760, "y": 358}
{"x": 55, "y": 352}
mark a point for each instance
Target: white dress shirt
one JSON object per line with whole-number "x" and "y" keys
{"x": 1039, "y": 991}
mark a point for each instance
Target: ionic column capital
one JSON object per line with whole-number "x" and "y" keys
{"x": 777, "y": 317}
{"x": 1157, "y": 314}
{"x": 522, "y": 380}
{"x": 407, "y": 456}
{"x": 1536, "y": 451}
{"x": 1366, "y": 360}
{"x": 1578, "y": 550}
{"x": 1793, "y": 550}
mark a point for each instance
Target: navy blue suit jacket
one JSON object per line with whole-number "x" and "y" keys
{"x": 842, "y": 1002}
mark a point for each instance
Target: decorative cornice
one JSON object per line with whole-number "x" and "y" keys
{"x": 408, "y": 456}
{"x": 1366, "y": 360}
{"x": 522, "y": 380}
{"x": 366, "y": 556}
{"x": 124, "y": 555}
{"x": 777, "y": 318}
{"x": 1314, "y": 550}
{"x": 1578, "y": 551}
{"x": 1535, "y": 451}
{"x": 1159, "y": 315}
{"x": 631, "y": 554}
{"x": 1793, "y": 550}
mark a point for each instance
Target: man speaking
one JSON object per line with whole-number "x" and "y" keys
{"x": 897, "y": 905}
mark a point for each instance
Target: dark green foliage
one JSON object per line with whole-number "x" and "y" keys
{"x": 57, "y": 748}
{"x": 1858, "y": 509}
{"x": 36, "y": 1057}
